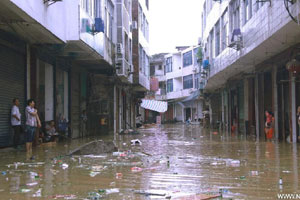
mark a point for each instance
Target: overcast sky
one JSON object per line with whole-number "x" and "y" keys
{"x": 174, "y": 23}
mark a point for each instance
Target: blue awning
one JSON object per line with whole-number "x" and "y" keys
{"x": 193, "y": 96}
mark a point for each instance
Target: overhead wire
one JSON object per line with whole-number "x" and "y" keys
{"x": 286, "y": 4}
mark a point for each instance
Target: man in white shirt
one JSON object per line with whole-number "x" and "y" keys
{"x": 32, "y": 121}
{"x": 16, "y": 121}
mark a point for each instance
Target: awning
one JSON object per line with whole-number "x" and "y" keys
{"x": 158, "y": 106}
{"x": 193, "y": 96}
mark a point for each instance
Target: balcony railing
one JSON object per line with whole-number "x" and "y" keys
{"x": 144, "y": 80}
{"x": 180, "y": 93}
{"x": 109, "y": 50}
{"x": 124, "y": 68}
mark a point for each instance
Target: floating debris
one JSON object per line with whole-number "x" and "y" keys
{"x": 136, "y": 142}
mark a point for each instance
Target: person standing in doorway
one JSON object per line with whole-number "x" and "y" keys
{"x": 16, "y": 122}
{"x": 32, "y": 122}
{"x": 83, "y": 121}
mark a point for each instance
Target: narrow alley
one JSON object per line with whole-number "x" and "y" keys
{"x": 173, "y": 161}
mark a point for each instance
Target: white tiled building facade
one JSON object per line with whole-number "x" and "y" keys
{"x": 247, "y": 46}
{"x": 266, "y": 28}
{"x": 181, "y": 80}
{"x": 75, "y": 56}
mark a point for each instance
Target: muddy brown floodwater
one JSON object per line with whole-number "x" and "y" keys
{"x": 173, "y": 161}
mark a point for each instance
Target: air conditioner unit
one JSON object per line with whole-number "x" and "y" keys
{"x": 236, "y": 41}
{"x": 134, "y": 25}
{"x": 120, "y": 49}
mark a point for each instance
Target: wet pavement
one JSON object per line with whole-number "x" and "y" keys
{"x": 173, "y": 161}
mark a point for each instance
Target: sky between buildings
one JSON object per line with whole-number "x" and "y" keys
{"x": 174, "y": 23}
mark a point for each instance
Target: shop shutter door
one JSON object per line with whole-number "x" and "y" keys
{"x": 12, "y": 85}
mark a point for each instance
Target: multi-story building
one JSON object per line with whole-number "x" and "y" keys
{"x": 179, "y": 84}
{"x": 251, "y": 51}
{"x": 140, "y": 49}
{"x": 61, "y": 47}
{"x": 71, "y": 57}
{"x": 125, "y": 106}
{"x": 157, "y": 73}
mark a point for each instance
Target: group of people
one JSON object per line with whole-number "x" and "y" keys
{"x": 269, "y": 124}
{"x": 32, "y": 123}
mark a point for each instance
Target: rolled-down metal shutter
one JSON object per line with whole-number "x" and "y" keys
{"x": 12, "y": 85}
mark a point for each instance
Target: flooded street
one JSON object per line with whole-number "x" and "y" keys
{"x": 173, "y": 161}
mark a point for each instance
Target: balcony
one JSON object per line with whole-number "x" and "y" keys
{"x": 109, "y": 51}
{"x": 160, "y": 95}
{"x": 269, "y": 32}
{"x": 180, "y": 93}
{"x": 46, "y": 24}
{"x": 95, "y": 41}
{"x": 123, "y": 69}
{"x": 174, "y": 74}
{"x": 144, "y": 81}
{"x": 161, "y": 78}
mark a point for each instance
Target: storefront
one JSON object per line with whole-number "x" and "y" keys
{"x": 101, "y": 105}
{"x": 12, "y": 82}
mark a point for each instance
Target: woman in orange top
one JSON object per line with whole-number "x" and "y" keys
{"x": 269, "y": 130}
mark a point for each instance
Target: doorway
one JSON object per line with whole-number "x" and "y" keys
{"x": 188, "y": 114}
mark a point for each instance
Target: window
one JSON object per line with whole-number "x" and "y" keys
{"x": 147, "y": 65}
{"x": 89, "y": 6}
{"x": 211, "y": 42}
{"x": 247, "y": 10}
{"x": 209, "y": 5}
{"x": 140, "y": 17}
{"x": 197, "y": 79}
{"x": 187, "y": 59}
{"x": 195, "y": 55}
{"x": 259, "y": 5}
{"x": 144, "y": 24}
{"x": 152, "y": 70}
{"x": 98, "y": 8}
{"x": 146, "y": 32}
{"x": 162, "y": 87}
{"x": 204, "y": 16}
{"x": 169, "y": 64}
{"x": 109, "y": 10}
{"x": 224, "y": 31}
{"x": 170, "y": 85}
{"x": 126, "y": 48}
{"x": 217, "y": 42}
{"x": 141, "y": 62}
{"x": 188, "y": 82}
{"x": 235, "y": 15}
{"x": 159, "y": 67}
